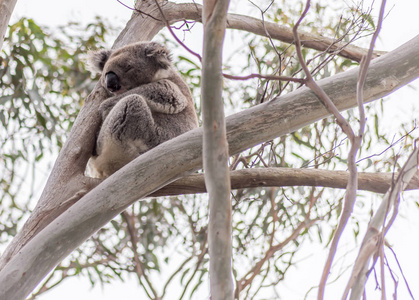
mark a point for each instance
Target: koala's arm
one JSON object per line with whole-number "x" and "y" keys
{"x": 162, "y": 96}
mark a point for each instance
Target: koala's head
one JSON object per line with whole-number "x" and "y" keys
{"x": 133, "y": 65}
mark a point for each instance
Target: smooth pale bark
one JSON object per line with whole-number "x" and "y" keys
{"x": 6, "y": 10}
{"x": 280, "y": 177}
{"x": 175, "y": 158}
{"x": 215, "y": 151}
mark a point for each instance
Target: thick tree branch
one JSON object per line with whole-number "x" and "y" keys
{"x": 281, "y": 177}
{"x": 284, "y": 33}
{"x": 191, "y": 11}
{"x": 66, "y": 183}
{"x": 182, "y": 155}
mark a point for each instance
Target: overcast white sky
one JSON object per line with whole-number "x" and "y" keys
{"x": 400, "y": 26}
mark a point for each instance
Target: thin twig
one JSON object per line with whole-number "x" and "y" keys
{"x": 127, "y": 6}
{"x": 198, "y": 264}
{"x": 176, "y": 272}
{"x": 360, "y": 276}
{"x": 401, "y": 271}
{"x": 250, "y": 276}
{"x": 138, "y": 11}
{"x": 174, "y": 35}
{"x": 392, "y": 144}
{"x": 356, "y": 140}
{"x": 350, "y": 195}
{"x": 138, "y": 268}
{"x": 355, "y": 146}
{"x": 323, "y": 97}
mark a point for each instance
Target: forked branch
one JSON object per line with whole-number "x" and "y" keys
{"x": 374, "y": 237}
{"x": 355, "y": 139}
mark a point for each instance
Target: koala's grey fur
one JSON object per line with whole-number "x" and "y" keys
{"x": 150, "y": 104}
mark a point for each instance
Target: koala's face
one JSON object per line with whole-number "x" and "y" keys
{"x": 131, "y": 66}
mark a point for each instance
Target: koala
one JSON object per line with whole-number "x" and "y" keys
{"x": 149, "y": 104}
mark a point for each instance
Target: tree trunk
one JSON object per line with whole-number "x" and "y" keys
{"x": 215, "y": 151}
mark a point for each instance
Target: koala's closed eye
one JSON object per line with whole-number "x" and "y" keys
{"x": 128, "y": 68}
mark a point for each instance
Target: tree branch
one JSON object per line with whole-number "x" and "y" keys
{"x": 280, "y": 177}
{"x": 248, "y": 278}
{"x": 285, "y": 34}
{"x": 139, "y": 271}
{"x": 191, "y": 11}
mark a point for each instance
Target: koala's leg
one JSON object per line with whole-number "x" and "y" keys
{"x": 127, "y": 132}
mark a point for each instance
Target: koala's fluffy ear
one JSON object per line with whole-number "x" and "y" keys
{"x": 97, "y": 59}
{"x": 160, "y": 53}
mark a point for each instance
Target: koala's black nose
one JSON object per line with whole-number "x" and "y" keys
{"x": 112, "y": 82}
